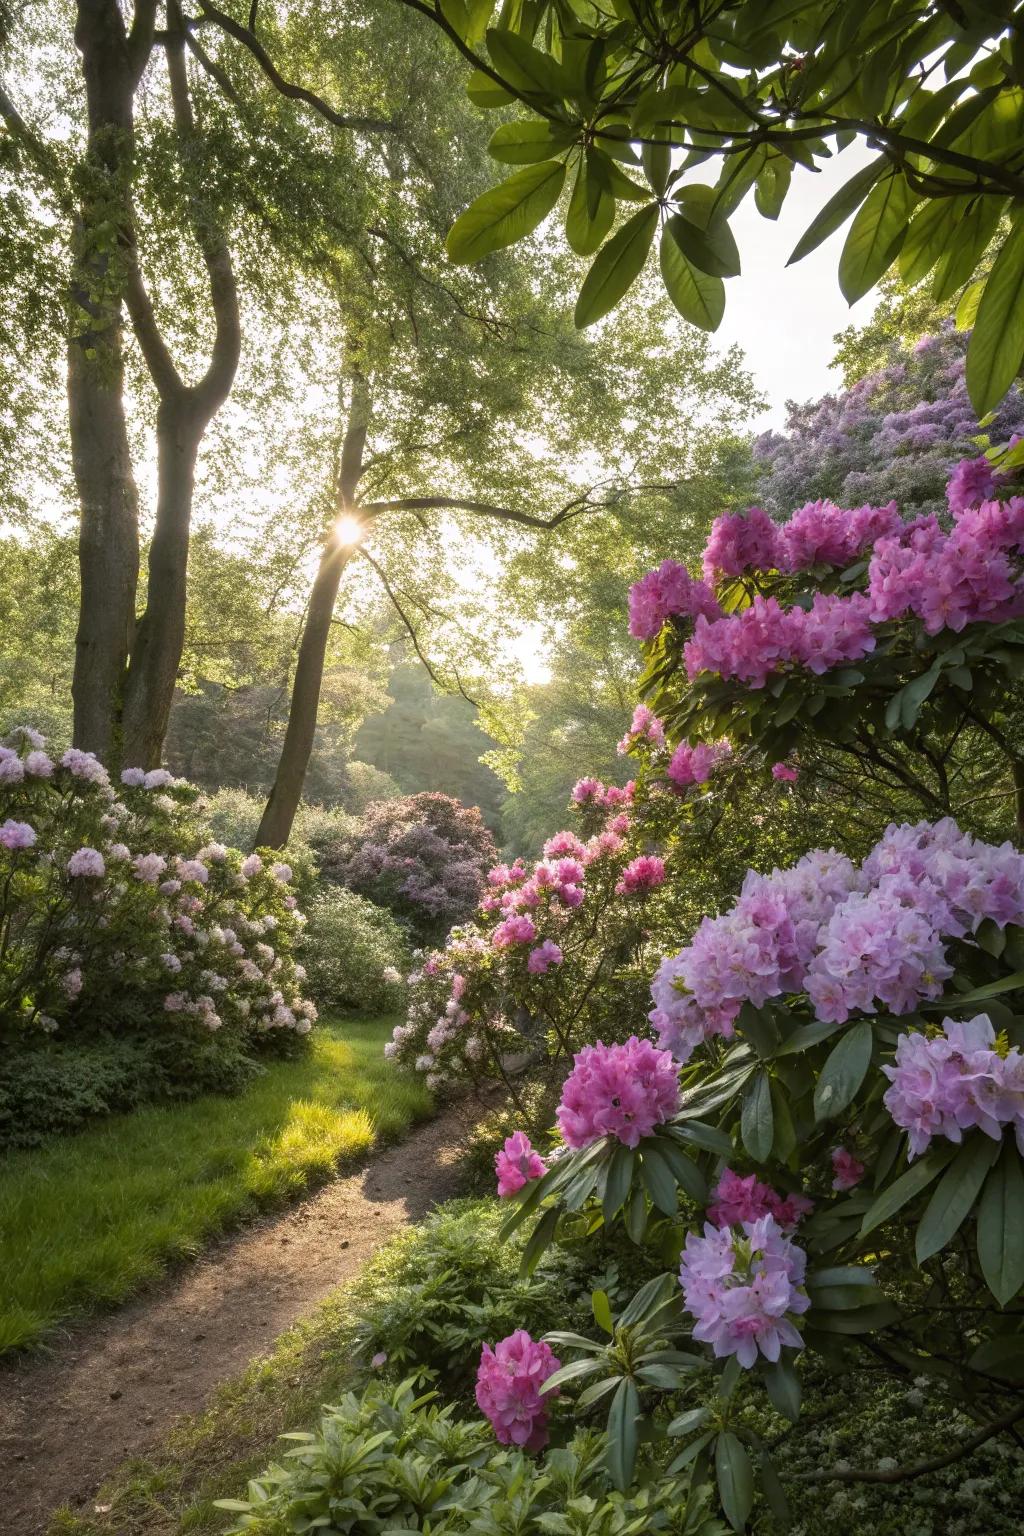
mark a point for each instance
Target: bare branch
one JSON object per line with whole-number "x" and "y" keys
{"x": 393, "y": 599}
{"x": 249, "y": 40}
{"x": 581, "y": 503}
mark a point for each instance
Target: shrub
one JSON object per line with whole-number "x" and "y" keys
{"x": 355, "y": 953}
{"x": 422, "y": 857}
{"x": 390, "y": 1461}
{"x": 234, "y": 817}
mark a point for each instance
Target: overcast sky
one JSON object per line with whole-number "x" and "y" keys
{"x": 783, "y": 317}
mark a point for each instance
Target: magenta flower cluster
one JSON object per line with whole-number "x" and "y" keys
{"x": 743, "y": 1287}
{"x": 695, "y": 764}
{"x": 766, "y": 638}
{"x": 736, "y": 1200}
{"x": 645, "y": 726}
{"x": 641, "y": 876}
{"x": 516, "y": 1164}
{"x": 948, "y": 580}
{"x": 617, "y": 1090}
{"x": 668, "y": 592}
{"x": 943, "y": 1085}
{"x": 508, "y": 1389}
{"x": 853, "y": 939}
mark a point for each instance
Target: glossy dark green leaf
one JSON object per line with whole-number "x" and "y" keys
{"x": 757, "y": 1124}
{"x": 954, "y": 1195}
{"x": 622, "y": 1434}
{"x": 526, "y": 68}
{"x": 591, "y": 208}
{"x": 1001, "y": 1356}
{"x": 506, "y": 213}
{"x": 576, "y": 1370}
{"x": 844, "y": 1071}
{"x": 1001, "y": 1226}
{"x": 712, "y": 250}
{"x": 658, "y": 1179}
{"x": 783, "y": 1385}
{"x": 601, "y": 1308}
{"x": 735, "y": 1478}
{"x": 1012, "y": 983}
{"x": 997, "y": 340}
{"x": 907, "y": 1187}
{"x": 700, "y": 299}
{"x": 616, "y": 267}
{"x": 771, "y": 188}
{"x": 620, "y": 1177}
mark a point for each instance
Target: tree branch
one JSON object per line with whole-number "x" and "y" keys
{"x": 393, "y": 598}
{"x": 572, "y": 508}
{"x": 250, "y": 41}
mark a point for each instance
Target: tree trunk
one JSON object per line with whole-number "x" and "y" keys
{"x": 160, "y": 634}
{"x": 275, "y": 827}
{"x": 112, "y": 63}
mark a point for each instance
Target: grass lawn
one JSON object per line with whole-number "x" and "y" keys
{"x": 89, "y": 1219}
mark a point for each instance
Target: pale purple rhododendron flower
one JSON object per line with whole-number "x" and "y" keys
{"x": 875, "y": 949}
{"x": 543, "y": 957}
{"x": 149, "y": 867}
{"x": 785, "y": 772}
{"x": 379, "y": 1360}
{"x": 678, "y": 1020}
{"x": 213, "y": 853}
{"x": 134, "y": 778}
{"x": 12, "y": 769}
{"x": 736, "y": 1200}
{"x": 743, "y": 1288}
{"x": 39, "y": 765}
{"x": 617, "y": 1090}
{"x": 119, "y": 852}
{"x": 641, "y": 875}
{"x": 667, "y": 592}
{"x": 742, "y": 541}
{"x": 514, "y": 930}
{"x": 252, "y": 865}
{"x": 508, "y": 1384}
{"x": 17, "y": 835}
{"x": 85, "y": 766}
{"x": 158, "y": 778}
{"x": 846, "y": 1169}
{"x": 516, "y": 1164}
{"x": 955, "y": 1082}
{"x": 193, "y": 869}
{"x": 86, "y": 862}
{"x": 281, "y": 872}
{"x": 27, "y": 736}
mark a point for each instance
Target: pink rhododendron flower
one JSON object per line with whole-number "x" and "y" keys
{"x": 737, "y": 1200}
{"x": 785, "y": 773}
{"x": 742, "y": 541}
{"x": 641, "y": 875}
{"x": 587, "y": 790}
{"x": 17, "y": 835}
{"x": 516, "y": 1164}
{"x": 563, "y": 845}
{"x": 514, "y": 930}
{"x": 193, "y": 869}
{"x": 664, "y": 593}
{"x": 743, "y": 1288}
{"x": 695, "y": 764}
{"x": 972, "y": 482}
{"x": 508, "y": 1384}
{"x": 86, "y": 862}
{"x": 645, "y": 726}
{"x": 543, "y": 957}
{"x": 847, "y": 1171}
{"x": 821, "y": 533}
{"x": 617, "y": 1090}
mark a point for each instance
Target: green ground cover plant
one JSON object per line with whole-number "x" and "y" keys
{"x": 87, "y": 1221}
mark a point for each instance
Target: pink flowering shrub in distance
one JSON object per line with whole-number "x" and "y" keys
{"x": 118, "y": 912}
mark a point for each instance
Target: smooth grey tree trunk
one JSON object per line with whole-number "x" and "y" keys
{"x": 276, "y": 823}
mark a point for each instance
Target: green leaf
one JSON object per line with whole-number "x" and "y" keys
{"x": 524, "y": 143}
{"x": 526, "y": 68}
{"x": 591, "y": 207}
{"x": 1001, "y": 1226}
{"x": 910, "y": 1184}
{"x": 658, "y": 1179}
{"x": 684, "y": 1169}
{"x": 772, "y": 186}
{"x": 735, "y": 1479}
{"x": 539, "y": 1239}
{"x": 954, "y": 1195}
{"x": 838, "y": 209}
{"x": 686, "y": 1422}
{"x": 616, "y": 267}
{"x": 854, "y": 1320}
{"x": 1012, "y": 983}
{"x": 783, "y": 1385}
{"x": 1001, "y": 1356}
{"x": 574, "y": 1371}
{"x": 876, "y": 235}
{"x": 806, "y": 1035}
{"x": 844, "y": 1071}
{"x": 700, "y": 299}
{"x": 757, "y": 1125}
{"x": 712, "y": 250}
{"x": 602, "y": 1310}
{"x": 622, "y": 1434}
{"x": 649, "y": 1299}
{"x": 620, "y": 1177}
{"x": 506, "y": 213}
{"x": 997, "y": 341}
{"x": 487, "y": 93}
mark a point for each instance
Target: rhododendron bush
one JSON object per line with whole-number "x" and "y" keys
{"x": 813, "y": 1124}
{"x": 116, "y": 912}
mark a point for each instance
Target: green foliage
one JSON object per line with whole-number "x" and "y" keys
{"x": 764, "y": 87}
{"x": 355, "y": 954}
{"x": 89, "y": 1221}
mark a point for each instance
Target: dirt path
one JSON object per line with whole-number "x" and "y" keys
{"x": 115, "y": 1386}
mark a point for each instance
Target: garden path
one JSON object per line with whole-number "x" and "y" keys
{"x": 113, "y": 1387}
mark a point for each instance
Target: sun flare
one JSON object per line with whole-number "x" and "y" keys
{"x": 348, "y": 529}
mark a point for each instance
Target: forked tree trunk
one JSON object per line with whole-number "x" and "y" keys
{"x": 108, "y": 551}
{"x": 276, "y": 824}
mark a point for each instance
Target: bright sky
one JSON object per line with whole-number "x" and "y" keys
{"x": 783, "y": 317}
